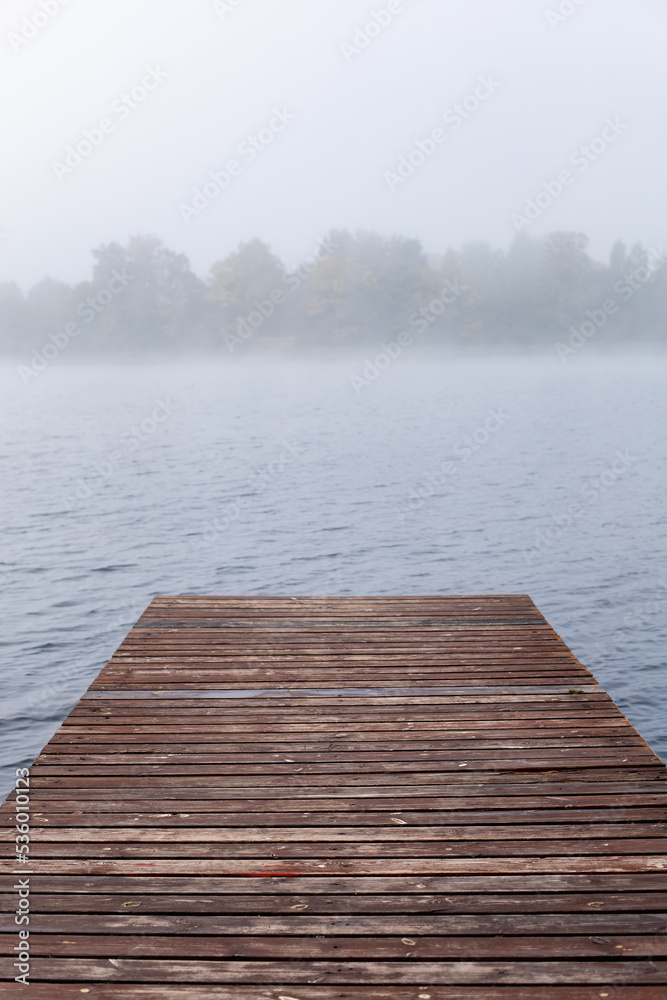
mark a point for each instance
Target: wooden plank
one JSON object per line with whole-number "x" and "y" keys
{"x": 532, "y": 792}
{"x": 297, "y": 854}
{"x": 120, "y": 813}
{"x": 312, "y": 781}
{"x": 272, "y": 868}
{"x": 338, "y": 972}
{"x": 403, "y": 743}
{"x": 356, "y": 835}
{"x": 523, "y": 947}
{"x": 100, "y": 991}
{"x": 522, "y": 882}
{"x": 61, "y": 900}
{"x": 331, "y": 761}
{"x": 443, "y": 926}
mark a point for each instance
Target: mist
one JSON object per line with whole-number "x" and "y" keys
{"x": 354, "y": 293}
{"x": 214, "y": 123}
{"x": 345, "y": 298}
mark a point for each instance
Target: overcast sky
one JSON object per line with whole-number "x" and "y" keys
{"x": 535, "y": 87}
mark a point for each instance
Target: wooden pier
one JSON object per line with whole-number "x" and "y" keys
{"x": 342, "y": 799}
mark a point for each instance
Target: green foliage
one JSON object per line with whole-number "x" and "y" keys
{"x": 244, "y": 277}
{"x": 159, "y": 306}
{"x": 359, "y": 289}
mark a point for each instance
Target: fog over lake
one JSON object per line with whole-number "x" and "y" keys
{"x": 352, "y": 298}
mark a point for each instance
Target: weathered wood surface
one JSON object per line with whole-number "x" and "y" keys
{"x": 337, "y": 798}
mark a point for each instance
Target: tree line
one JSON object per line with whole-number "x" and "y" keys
{"x": 354, "y": 290}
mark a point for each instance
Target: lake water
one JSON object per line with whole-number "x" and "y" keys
{"x": 275, "y": 476}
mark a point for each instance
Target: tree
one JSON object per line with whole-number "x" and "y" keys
{"x": 366, "y": 289}
{"x": 570, "y": 280}
{"x": 157, "y": 301}
{"x": 243, "y": 281}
